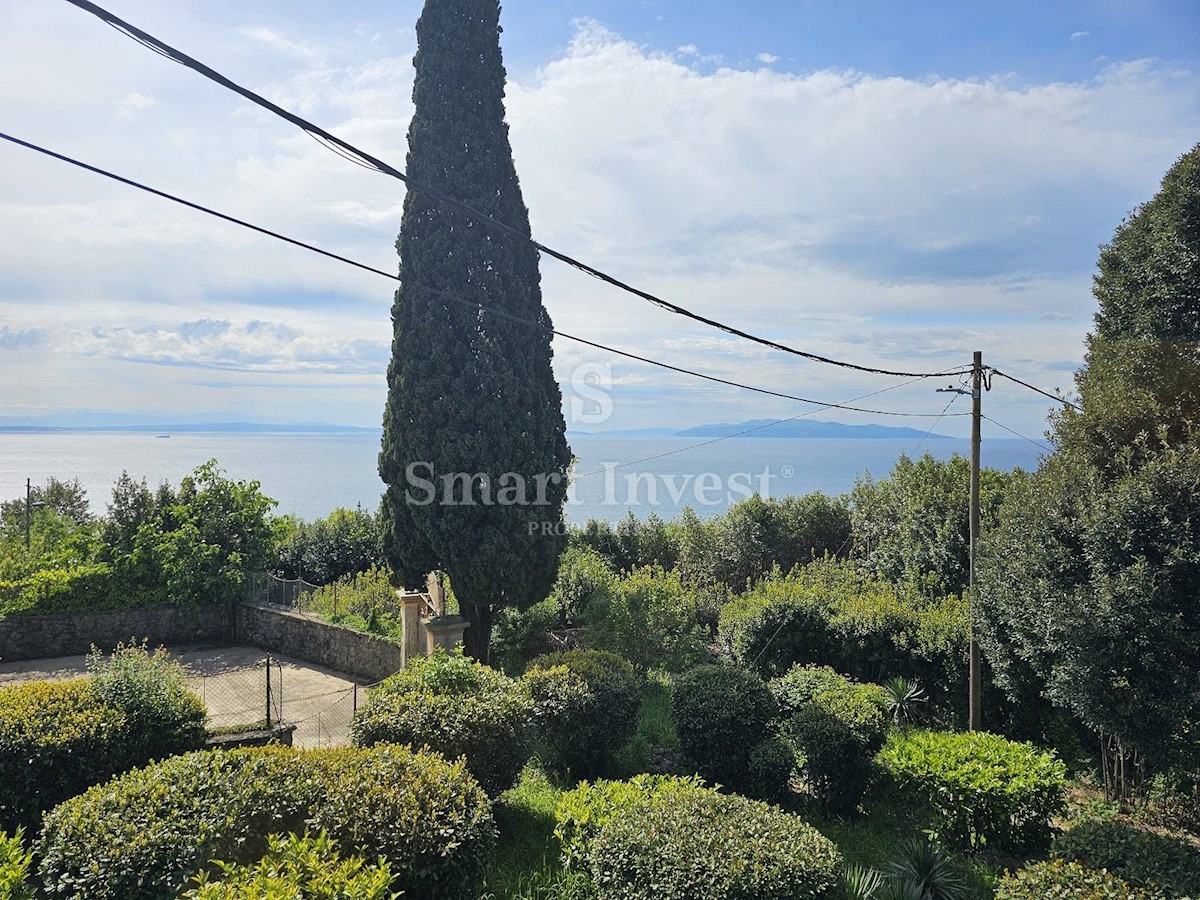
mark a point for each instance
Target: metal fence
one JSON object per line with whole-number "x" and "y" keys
{"x": 242, "y": 696}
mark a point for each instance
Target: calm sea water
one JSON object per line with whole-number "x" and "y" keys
{"x": 312, "y": 474}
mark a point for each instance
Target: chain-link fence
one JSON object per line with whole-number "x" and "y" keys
{"x": 242, "y": 696}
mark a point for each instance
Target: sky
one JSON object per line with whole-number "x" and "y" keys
{"x": 892, "y": 183}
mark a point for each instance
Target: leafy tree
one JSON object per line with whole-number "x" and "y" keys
{"x": 470, "y": 394}
{"x": 345, "y": 542}
{"x": 1088, "y": 583}
{"x": 209, "y": 538}
{"x": 917, "y": 520}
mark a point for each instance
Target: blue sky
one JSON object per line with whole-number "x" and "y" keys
{"x": 894, "y": 183}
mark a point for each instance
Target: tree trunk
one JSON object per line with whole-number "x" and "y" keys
{"x": 477, "y": 640}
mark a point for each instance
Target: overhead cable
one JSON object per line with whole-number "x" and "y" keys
{"x": 453, "y": 297}
{"x": 366, "y": 159}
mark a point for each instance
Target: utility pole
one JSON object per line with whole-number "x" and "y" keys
{"x": 976, "y": 680}
{"x": 30, "y": 506}
{"x": 975, "y": 688}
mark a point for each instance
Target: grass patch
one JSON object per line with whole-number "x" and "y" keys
{"x": 655, "y": 728}
{"x": 526, "y": 865}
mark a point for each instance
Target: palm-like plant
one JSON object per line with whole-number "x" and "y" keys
{"x": 863, "y": 883}
{"x": 906, "y": 700}
{"x": 924, "y": 870}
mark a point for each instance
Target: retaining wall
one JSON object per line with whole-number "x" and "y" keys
{"x": 70, "y": 634}
{"x": 292, "y": 634}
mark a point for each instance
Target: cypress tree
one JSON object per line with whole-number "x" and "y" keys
{"x": 474, "y": 449}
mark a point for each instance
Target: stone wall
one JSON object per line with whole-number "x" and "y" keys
{"x": 292, "y": 634}
{"x": 70, "y": 634}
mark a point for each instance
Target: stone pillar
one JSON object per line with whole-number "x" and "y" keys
{"x": 437, "y": 593}
{"x": 411, "y": 610}
{"x": 444, "y": 633}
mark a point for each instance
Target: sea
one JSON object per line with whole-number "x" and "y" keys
{"x": 311, "y": 474}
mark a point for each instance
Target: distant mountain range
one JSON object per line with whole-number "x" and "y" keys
{"x": 141, "y": 424}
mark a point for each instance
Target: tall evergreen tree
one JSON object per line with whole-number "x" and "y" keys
{"x": 474, "y": 449}
{"x": 1088, "y": 583}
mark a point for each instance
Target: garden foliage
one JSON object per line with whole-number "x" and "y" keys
{"x": 15, "y": 865}
{"x": 1058, "y": 880}
{"x": 454, "y": 706}
{"x": 1147, "y": 860}
{"x": 586, "y": 707}
{"x": 144, "y": 835}
{"x": 977, "y": 789}
{"x": 698, "y": 842}
{"x": 835, "y": 727}
{"x": 296, "y": 866}
{"x": 58, "y": 738}
{"x": 724, "y": 717}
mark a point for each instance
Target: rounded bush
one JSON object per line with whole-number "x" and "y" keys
{"x": 587, "y": 711}
{"x": 835, "y": 727}
{"x": 1145, "y": 859}
{"x": 977, "y": 789}
{"x": 144, "y": 835}
{"x": 700, "y": 843}
{"x": 59, "y": 738}
{"x": 721, "y": 715}
{"x": 456, "y": 707}
{"x": 1058, "y": 880}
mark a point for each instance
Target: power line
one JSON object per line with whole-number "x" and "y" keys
{"x": 1018, "y": 434}
{"x": 924, "y": 438}
{"x": 1036, "y": 390}
{"x": 453, "y": 297}
{"x": 372, "y": 162}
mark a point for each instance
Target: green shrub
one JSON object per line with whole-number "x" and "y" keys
{"x": 1058, "y": 880}
{"x": 651, "y": 619}
{"x": 701, "y": 843}
{"x": 1142, "y": 858}
{"x": 1175, "y": 800}
{"x": 59, "y": 738}
{"x": 307, "y": 867}
{"x": 144, "y": 835}
{"x": 585, "y": 579}
{"x": 15, "y": 863}
{"x": 587, "y": 712}
{"x": 835, "y": 727}
{"x": 56, "y": 739}
{"x": 582, "y": 812}
{"x": 76, "y": 587}
{"x": 518, "y": 635}
{"x": 162, "y": 715}
{"x": 831, "y": 613}
{"x": 456, "y": 707}
{"x": 722, "y": 715}
{"x": 977, "y": 790}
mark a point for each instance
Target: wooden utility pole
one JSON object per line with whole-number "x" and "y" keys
{"x": 976, "y": 680}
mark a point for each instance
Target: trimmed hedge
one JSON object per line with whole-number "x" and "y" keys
{"x": 298, "y": 866}
{"x": 586, "y": 707}
{"x": 700, "y": 843}
{"x": 977, "y": 789}
{"x": 144, "y": 835}
{"x": 835, "y": 727}
{"x": 59, "y": 738}
{"x": 722, "y": 715}
{"x": 456, "y": 707}
{"x": 1058, "y": 880}
{"x": 1144, "y": 859}
{"x": 582, "y": 812}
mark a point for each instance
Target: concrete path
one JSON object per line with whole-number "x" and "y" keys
{"x": 232, "y": 681}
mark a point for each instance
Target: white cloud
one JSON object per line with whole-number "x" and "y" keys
{"x": 889, "y": 220}
{"x": 767, "y": 59}
{"x": 1076, "y": 35}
